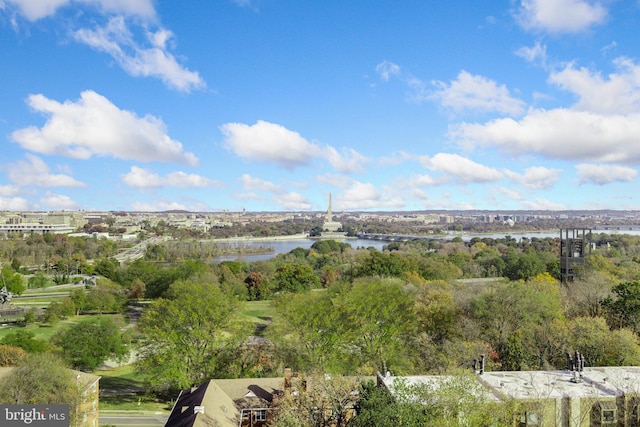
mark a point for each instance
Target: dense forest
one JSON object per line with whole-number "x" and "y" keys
{"x": 412, "y": 308}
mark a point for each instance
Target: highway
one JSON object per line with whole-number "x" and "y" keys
{"x": 138, "y": 250}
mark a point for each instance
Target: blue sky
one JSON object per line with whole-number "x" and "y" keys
{"x": 271, "y": 105}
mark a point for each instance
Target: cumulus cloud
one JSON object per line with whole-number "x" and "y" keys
{"x": 559, "y": 134}
{"x": 150, "y": 60}
{"x": 58, "y": 202}
{"x": 619, "y": 93}
{"x": 560, "y": 16}
{"x": 34, "y": 171}
{"x": 292, "y": 201}
{"x": 259, "y": 189}
{"x": 542, "y": 205}
{"x": 256, "y": 184}
{"x": 9, "y": 190}
{"x": 144, "y": 178}
{"x": 599, "y": 174}
{"x": 536, "y": 178}
{"x": 94, "y": 126}
{"x": 269, "y": 142}
{"x": 476, "y": 93}
{"x": 460, "y": 169}
{"x": 415, "y": 181}
{"x": 15, "y": 204}
{"x": 361, "y": 195}
{"x": 38, "y": 9}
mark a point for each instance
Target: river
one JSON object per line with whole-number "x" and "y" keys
{"x": 283, "y": 246}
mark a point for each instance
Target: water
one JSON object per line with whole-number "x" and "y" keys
{"x": 285, "y": 246}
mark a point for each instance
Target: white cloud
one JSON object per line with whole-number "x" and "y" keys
{"x": 15, "y": 204}
{"x": 542, "y": 204}
{"x": 34, "y": 171}
{"x": 286, "y": 199}
{"x": 362, "y": 195}
{"x": 335, "y": 180}
{"x": 560, "y": 16}
{"x": 349, "y": 161}
{"x": 460, "y": 169}
{"x": 153, "y": 60}
{"x": 559, "y": 134}
{"x": 395, "y": 159}
{"x": 536, "y": 53}
{"x": 9, "y": 190}
{"x": 387, "y": 69}
{"x": 38, "y": 9}
{"x": 476, "y": 93}
{"x": 604, "y": 174}
{"x": 94, "y": 126}
{"x": 292, "y": 201}
{"x": 269, "y": 142}
{"x": 144, "y": 178}
{"x": 156, "y": 206}
{"x": 415, "y": 181}
{"x": 535, "y": 178}
{"x": 510, "y": 193}
{"x": 619, "y": 93}
{"x": 58, "y": 202}
{"x": 251, "y": 183}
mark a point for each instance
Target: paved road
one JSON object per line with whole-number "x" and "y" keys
{"x": 133, "y": 419}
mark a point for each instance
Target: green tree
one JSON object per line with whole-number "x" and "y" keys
{"x": 12, "y": 280}
{"x": 602, "y": 347}
{"x": 436, "y": 311}
{"x": 86, "y": 345}
{"x": 376, "y": 407}
{"x": 376, "y": 318}
{"x": 40, "y": 379}
{"x": 624, "y": 309}
{"x": 184, "y": 333}
{"x": 528, "y": 308}
{"x": 295, "y": 277}
{"x": 25, "y": 340}
{"x": 137, "y": 289}
{"x": 304, "y": 331}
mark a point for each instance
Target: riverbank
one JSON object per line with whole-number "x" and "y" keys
{"x": 236, "y": 239}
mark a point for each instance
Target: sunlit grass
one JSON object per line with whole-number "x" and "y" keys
{"x": 122, "y": 389}
{"x": 258, "y": 311}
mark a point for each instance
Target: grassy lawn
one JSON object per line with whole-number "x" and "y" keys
{"x": 40, "y": 331}
{"x": 258, "y": 311}
{"x": 122, "y": 389}
{"x": 44, "y": 332}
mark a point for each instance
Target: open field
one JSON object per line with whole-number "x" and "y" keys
{"x": 122, "y": 389}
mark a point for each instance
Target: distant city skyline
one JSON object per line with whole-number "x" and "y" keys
{"x": 272, "y": 106}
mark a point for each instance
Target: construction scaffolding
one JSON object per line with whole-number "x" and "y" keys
{"x": 575, "y": 246}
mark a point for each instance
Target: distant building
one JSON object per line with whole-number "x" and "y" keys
{"x": 576, "y": 397}
{"x": 331, "y": 228}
